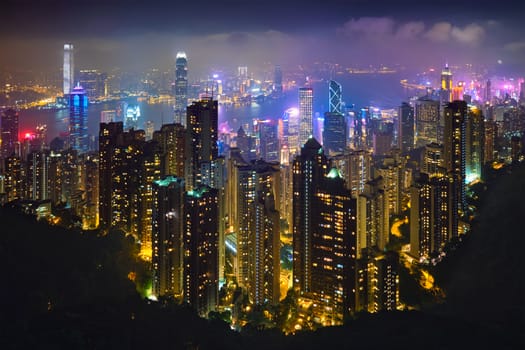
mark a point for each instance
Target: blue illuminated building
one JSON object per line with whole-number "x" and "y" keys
{"x": 78, "y": 114}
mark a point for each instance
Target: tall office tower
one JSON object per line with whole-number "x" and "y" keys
{"x": 333, "y": 249}
{"x": 426, "y": 121}
{"x": 455, "y": 150}
{"x": 373, "y": 227}
{"x": 150, "y": 171}
{"x": 489, "y": 141}
{"x": 286, "y": 205}
{"x": 392, "y": 171}
{"x": 378, "y": 282}
{"x": 257, "y": 229}
{"x": 306, "y": 106}
{"x": 172, "y": 140}
{"x": 221, "y": 183}
{"x": 335, "y": 97}
{"x": 446, "y": 84}
{"x": 334, "y": 133}
{"x": 120, "y": 159}
{"x": 78, "y": 120}
{"x": 432, "y": 162}
{"x": 382, "y": 142}
{"x": 475, "y": 133}
{"x": 94, "y": 83}
{"x": 90, "y": 193}
{"x": 14, "y": 178}
{"x": 168, "y": 237}
{"x": 246, "y": 145}
{"x": 8, "y": 133}
{"x": 37, "y": 176}
{"x": 267, "y": 133}
{"x": 201, "y": 142}
{"x": 68, "y": 69}
{"x": 201, "y": 234}
{"x": 405, "y": 128}
{"x": 70, "y": 178}
{"x": 308, "y": 169}
{"x": 488, "y": 92}
{"x": 291, "y": 130}
{"x": 432, "y": 221}
{"x": 356, "y": 169}
{"x": 181, "y": 87}
{"x": 278, "y": 81}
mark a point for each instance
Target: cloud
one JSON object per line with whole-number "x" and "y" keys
{"x": 439, "y": 32}
{"x": 368, "y": 26}
{"x": 410, "y": 30}
{"x": 472, "y": 34}
{"x": 515, "y": 46}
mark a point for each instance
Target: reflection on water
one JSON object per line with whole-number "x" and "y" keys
{"x": 384, "y": 91}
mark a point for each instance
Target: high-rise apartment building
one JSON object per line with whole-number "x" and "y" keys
{"x": 201, "y": 258}
{"x": 309, "y": 167}
{"x": 201, "y": 143}
{"x": 426, "y": 121}
{"x": 8, "y": 133}
{"x": 168, "y": 237}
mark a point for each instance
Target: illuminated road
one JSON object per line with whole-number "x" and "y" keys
{"x": 285, "y": 283}
{"x": 395, "y": 227}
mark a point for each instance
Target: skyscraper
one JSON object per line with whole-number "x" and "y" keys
{"x": 181, "y": 87}
{"x": 446, "y": 84}
{"x": 454, "y": 152}
{"x": 335, "y": 97}
{"x": 268, "y": 140}
{"x": 168, "y": 237}
{"x": 426, "y": 121}
{"x": 8, "y": 132}
{"x": 475, "y": 134}
{"x": 78, "y": 120}
{"x": 68, "y": 69}
{"x": 405, "y": 128}
{"x": 201, "y": 257}
{"x": 334, "y": 133}
{"x": 308, "y": 169}
{"x": 201, "y": 142}
{"x": 306, "y": 100}
{"x": 278, "y": 81}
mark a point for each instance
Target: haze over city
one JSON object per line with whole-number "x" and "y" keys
{"x": 139, "y": 35}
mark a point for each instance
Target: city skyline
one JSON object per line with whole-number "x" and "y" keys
{"x": 135, "y": 36}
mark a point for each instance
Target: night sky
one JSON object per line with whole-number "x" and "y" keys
{"x": 144, "y": 34}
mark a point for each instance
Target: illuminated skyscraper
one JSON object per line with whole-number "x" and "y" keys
{"x": 78, "y": 120}
{"x": 446, "y": 84}
{"x": 181, "y": 87}
{"x": 475, "y": 133}
{"x": 68, "y": 69}
{"x": 334, "y": 133}
{"x": 291, "y": 131}
{"x": 335, "y": 97}
{"x": 426, "y": 121}
{"x": 8, "y": 133}
{"x": 308, "y": 169}
{"x": 201, "y": 142}
{"x": 373, "y": 230}
{"x": 258, "y": 229}
{"x": 405, "y": 128}
{"x": 356, "y": 169}
{"x": 306, "y": 100}
{"x": 37, "y": 176}
{"x": 455, "y": 150}
{"x": 201, "y": 257}
{"x": 172, "y": 140}
{"x": 267, "y": 134}
{"x": 278, "y": 81}
{"x": 333, "y": 250}
{"x": 168, "y": 237}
